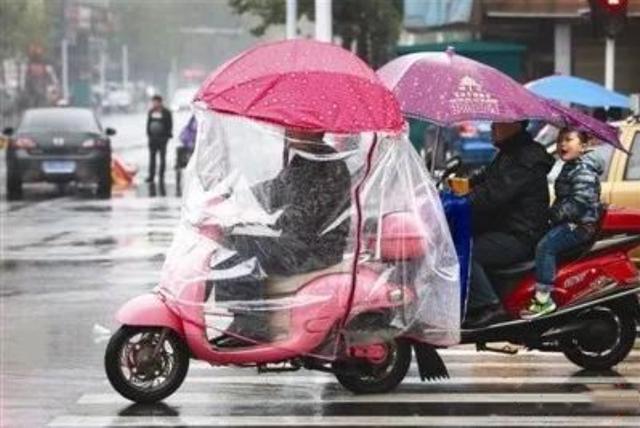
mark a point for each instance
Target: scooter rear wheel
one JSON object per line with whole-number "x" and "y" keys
{"x": 363, "y": 377}
{"x": 146, "y": 364}
{"x": 606, "y": 342}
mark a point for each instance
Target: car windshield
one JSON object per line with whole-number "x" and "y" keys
{"x": 60, "y": 120}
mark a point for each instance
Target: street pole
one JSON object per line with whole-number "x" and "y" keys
{"x": 125, "y": 66}
{"x": 172, "y": 79}
{"x": 64, "y": 47}
{"x": 103, "y": 72}
{"x": 562, "y": 48}
{"x": 323, "y": 21}
{"x": 609, "y": 63}
{"x": 292, "y": 19}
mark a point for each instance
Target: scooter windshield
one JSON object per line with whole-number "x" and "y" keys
{"x": 309, "y": 240}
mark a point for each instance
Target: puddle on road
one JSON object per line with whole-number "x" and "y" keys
{"x": 67, "y": 229}
{"x": 91, "y": 208}
{"x": 98, "y": 242}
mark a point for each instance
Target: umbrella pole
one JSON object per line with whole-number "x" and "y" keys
{"x": 434, "y": 152}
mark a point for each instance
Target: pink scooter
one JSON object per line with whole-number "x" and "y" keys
{"x": 148, "y": 357}
{"x": 321, "y": 107}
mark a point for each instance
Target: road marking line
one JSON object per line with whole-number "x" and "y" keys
{"x": 319, "y": 378}
{"x": 522, "y": 354}
{"x": 201, "y": 365}
{"x": 521, "y": 358}
{"x": 317, "y": 420}
{"x": 326, "y": 378}
{"x": 187, "y": 398}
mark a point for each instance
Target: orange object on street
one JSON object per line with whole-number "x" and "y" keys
{"x": 122, "y": 173}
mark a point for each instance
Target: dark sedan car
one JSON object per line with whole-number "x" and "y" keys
{"x": 59, "y": 145}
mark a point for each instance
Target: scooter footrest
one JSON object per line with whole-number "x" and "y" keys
{"x": 506, "y": 349}
{"x": 287, "y": 366}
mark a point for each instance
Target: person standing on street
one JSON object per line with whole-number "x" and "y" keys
{"x": 159, "y": 131}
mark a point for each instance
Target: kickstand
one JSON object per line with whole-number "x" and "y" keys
{"x": 506, "y": 349}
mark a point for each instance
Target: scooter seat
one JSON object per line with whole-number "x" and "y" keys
{"x": 525, "y": 267}
{"x": 515, "y": 269}
{"x": 278, "y": 286}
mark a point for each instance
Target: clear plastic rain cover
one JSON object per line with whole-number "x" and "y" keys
{"x": 309, "y": 240}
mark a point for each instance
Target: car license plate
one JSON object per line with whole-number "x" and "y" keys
{"x": 59, "y": 167}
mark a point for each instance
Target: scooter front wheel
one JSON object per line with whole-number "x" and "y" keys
{"x": 146, "y": 364}
{"x": 364, "y": 377}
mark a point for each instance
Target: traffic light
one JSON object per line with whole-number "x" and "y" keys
{"x": 614, "y": 6}
{"x": 609, "y": 16}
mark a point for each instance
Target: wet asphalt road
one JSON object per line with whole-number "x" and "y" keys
{"x": 69, "y": 261}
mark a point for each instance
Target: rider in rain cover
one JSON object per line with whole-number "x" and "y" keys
{"x": 311, "y": 191}
{"x": 267, "y": 208}
{"x": 307, "y": 216}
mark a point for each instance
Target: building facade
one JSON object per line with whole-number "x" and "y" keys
{"x": 557, "y": 36}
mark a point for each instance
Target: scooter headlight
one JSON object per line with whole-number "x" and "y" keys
{"x": 395, "y": 295}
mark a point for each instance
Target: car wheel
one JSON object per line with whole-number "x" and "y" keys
{"x": 14, "y": 187}
{"x": 62, "y": 188}
{"x": 104, "y": 181}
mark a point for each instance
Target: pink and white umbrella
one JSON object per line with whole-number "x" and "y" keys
{"x": 303, "y": 84}
{"x": 447, "y": 88}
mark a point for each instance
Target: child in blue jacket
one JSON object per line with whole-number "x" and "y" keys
{"x": 573, "y": 215}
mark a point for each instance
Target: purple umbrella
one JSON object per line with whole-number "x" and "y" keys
{"x": 576, "y": 120}
{"x": 446, "y": 88}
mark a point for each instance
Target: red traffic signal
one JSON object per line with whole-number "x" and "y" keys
{"x": 609, "y": 16}
{"x": 614, "y": 7}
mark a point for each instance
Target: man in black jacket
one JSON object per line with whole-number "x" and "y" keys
{"x": 159, "y": 131}
{"x": 510, "y": 201}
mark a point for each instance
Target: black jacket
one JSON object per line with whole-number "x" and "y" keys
{"x": 511, "y": 195}
{"x": 312, "y": 194}
{"x": 159, "y": 125}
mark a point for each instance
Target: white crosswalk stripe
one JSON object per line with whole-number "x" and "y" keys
{"x": 503, "y": 364}
{"x": 187, "y": 398}
{"x": 528, "y": 390}
{"x": 321, "y": 379}
{"x": 359, "y": 421}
